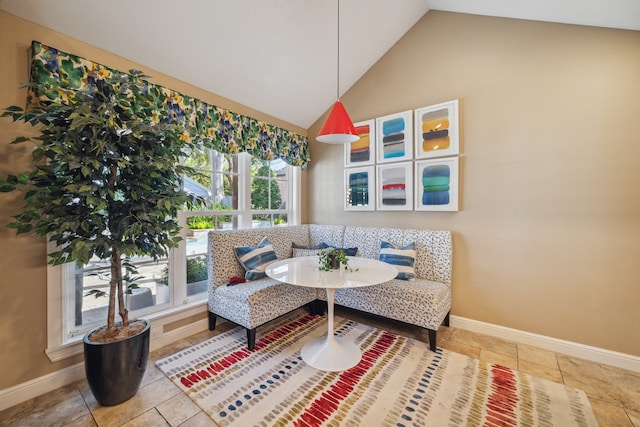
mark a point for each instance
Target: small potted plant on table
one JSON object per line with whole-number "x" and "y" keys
{"x": 332, "y": 258}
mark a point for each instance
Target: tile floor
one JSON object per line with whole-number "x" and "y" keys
{"x": 614, "y": 393}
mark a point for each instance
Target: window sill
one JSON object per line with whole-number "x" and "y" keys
{"x": 74, "y": 346}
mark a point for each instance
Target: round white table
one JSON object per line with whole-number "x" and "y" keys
{"x": 331, "y": 353}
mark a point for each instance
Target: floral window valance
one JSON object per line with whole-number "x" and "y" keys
{"x": 219, "y": 128}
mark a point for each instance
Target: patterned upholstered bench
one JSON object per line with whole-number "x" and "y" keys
{"x": 425, "y": 301}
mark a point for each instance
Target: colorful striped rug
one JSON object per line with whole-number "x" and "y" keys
{"x": 398, "y": 382}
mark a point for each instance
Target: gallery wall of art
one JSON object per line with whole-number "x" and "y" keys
{"x": 405, "y": 161}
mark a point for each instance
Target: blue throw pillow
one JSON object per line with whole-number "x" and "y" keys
{"x": 255, "y": 260}
{"x": 402, "y": 258}
{"x": 347, "y": 251}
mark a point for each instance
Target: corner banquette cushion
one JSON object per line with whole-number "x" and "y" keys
{"x": 403, "y": 258}
{"x": 256, "y": 259}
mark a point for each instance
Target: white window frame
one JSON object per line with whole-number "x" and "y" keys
{"x": 61, "y": 346}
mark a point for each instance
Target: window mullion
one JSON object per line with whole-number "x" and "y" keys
{"x": 294, "y": 195}
{"x": 244, "y": 190}
{"x": 178, "y": 264}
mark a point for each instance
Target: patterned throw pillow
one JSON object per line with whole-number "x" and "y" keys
{"x": 402, "y": 258}
{"x": 297, "y": 252}
{"x": 255, "y": 260}
{"x": 301, "y": 250}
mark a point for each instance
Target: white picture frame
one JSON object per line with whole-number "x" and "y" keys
{"x": 359, "y": 189}
{"x": 394, "y": 187}
{"x": 436, "y": 184}
{"x": 394, "y": 137}
{"x": 363, "y": 151}
{"x": 436, "y": 130}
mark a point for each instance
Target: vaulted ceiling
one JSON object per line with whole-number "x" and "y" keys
{"x": 280, "y": 56}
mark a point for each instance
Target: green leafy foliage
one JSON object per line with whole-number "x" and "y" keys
{"x": 203, "y": 222}
{"x": 196, "y": 269}
{"x": 331, "y": 259}
{"x": 264, "y": 190}
{"x": 106, "y": 181}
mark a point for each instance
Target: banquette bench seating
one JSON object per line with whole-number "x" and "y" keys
{"x": 424, "y": 301}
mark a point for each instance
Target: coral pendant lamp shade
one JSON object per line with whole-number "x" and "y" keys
{"x": 338, "y": 128}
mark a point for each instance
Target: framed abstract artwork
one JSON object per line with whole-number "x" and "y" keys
{"x": 363, "y": 151}
{"x": 394, "y": 187}
{"x": 436, "y": 183}
{"x": 437, "y": 130}
{"x": 359, "y": 189}
{"x": 394, "y": 135}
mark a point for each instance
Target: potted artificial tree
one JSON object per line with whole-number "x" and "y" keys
{"x": 106, "y": 184}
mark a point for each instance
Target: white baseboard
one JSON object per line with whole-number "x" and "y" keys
{"x": 594, "y": 354}
{"x": 37, "y": 386}
{"x": 49, "y": 382}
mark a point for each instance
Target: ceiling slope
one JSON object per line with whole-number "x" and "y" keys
{"x": 279, "y": 56}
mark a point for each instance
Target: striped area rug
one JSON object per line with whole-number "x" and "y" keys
{"x": 398, "y": 382}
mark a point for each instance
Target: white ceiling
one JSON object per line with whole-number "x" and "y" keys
{"x": 280, "y": 56}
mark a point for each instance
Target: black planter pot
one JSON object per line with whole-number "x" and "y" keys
{"x": 115, "y": 369}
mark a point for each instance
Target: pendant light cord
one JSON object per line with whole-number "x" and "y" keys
{"x": 338, "y": 86}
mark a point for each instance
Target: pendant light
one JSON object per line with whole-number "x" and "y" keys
{"x": 338, "y": 128}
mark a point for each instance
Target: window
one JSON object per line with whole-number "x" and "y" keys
{"x": 240, "y": 192}
{"x": 268, "y": 192}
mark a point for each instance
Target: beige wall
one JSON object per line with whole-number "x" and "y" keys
{"x": 23, "y": 307}
{"x": 547, "y": 239}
